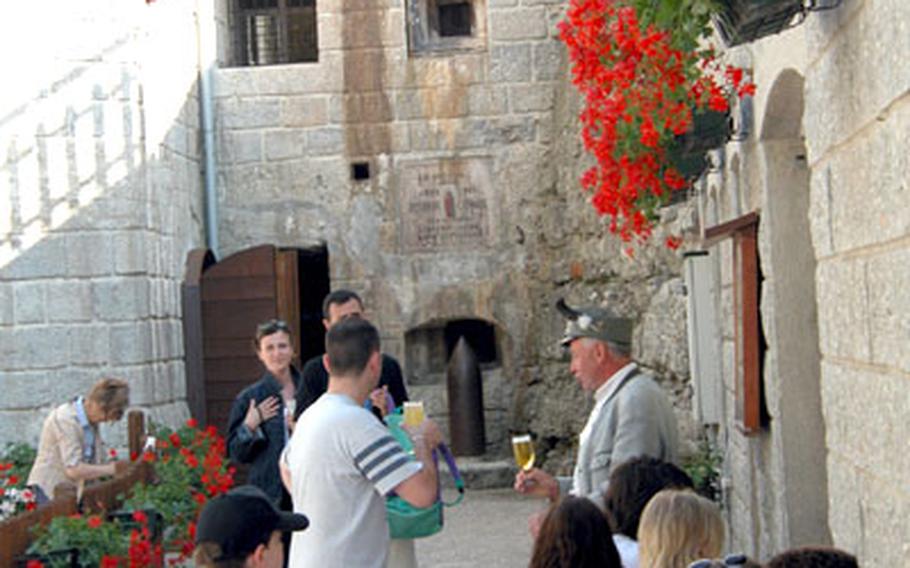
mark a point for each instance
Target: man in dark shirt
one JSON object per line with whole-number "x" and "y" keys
{"x": 338, "y": 306}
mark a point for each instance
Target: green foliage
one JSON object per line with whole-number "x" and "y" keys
{"x": 21, "y": 456}
{"x": 189, "y": 469}
{"x": 93, "y": 538}
{"x": 690, "y": 20}
{"x": 704, "y": 469}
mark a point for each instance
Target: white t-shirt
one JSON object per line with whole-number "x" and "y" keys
{"x": 343, "y": 462}
{"x": 628, "y": 550}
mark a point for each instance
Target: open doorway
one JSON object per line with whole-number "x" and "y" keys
{"x": 223, "y": 303}
{"x": 313, "y": 286}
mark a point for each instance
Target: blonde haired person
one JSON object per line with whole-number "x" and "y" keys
{"x": 70, "y": 448}
{"x": 677, "y": 528}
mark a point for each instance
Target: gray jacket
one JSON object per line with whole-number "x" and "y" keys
{"x": 637, "y": 419}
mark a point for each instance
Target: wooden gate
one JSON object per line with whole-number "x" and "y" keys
{"x": 235, "y": 295}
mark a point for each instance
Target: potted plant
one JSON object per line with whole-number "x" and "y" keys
{"x": 655, "y": 100}
{"x": 15, "y": 497}
{"x": 95, "y": 542}
{"x": 190, "y": 469}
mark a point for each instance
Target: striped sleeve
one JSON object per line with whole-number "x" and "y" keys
{"x": 385, "y": 463}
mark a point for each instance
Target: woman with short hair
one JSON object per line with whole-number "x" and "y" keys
{"x": 260, "y": 422}
{"x": 677, "y": 528}
{"x": 70, "y": 448}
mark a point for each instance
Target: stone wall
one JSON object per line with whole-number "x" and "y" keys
{"x": 482, "y": 120}
{"x": 857, "y": 153}
{"x": 824, "y": 166}
{"x": 99, "y": 202}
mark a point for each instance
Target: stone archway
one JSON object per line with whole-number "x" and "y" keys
{"x": 789, "y": 315}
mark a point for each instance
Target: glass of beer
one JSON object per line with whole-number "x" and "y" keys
{"x": 523, "y": 448}
{"x": 413, "y": 413}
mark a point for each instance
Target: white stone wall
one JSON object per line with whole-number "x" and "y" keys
{"x": 99, "y": 203}
{"x": 844, "y": 151}
{"x": 857, "y": 145}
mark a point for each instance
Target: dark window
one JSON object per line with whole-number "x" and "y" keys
{"x": 270, "y": 32}
{"x": 454, "y": 19}
{"x": 436, "y": 26}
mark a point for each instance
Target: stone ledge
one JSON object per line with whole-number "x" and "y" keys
{"x": 480, "y": 473}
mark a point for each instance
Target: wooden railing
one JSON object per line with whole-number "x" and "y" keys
{"x": 16, "y": 532}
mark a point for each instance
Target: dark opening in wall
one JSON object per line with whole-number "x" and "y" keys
{"x": 454, "y": 19}
{"x": 429, "y": 347}
{"x": 441, "y": 26}
{"x": 313, "y": 282}
{"x": 360, "y": 171}
{"x": 480, "y": 335}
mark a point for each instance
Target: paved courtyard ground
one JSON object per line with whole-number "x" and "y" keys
{"x": 488, "y": 529}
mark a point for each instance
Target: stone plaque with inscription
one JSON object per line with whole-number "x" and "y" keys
{"x": 446, "y": 205}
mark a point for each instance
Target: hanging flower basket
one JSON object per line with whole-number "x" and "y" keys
{"x": 744, "y": 21}
{"x": 655, "y": 100}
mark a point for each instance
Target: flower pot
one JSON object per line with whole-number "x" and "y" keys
{"x": 63, "y": 558}
{"x": 744, "y": 21}
{"x": 688, "y": 153}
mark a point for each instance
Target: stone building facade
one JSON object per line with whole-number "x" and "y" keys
{"x": 100, "y": 198}
{"x": 821, "y": 161}
{"x": 429, "y": 149}
{"x": 429, "y": 152}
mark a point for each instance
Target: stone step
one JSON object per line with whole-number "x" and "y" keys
{"x": 481, "y": 473}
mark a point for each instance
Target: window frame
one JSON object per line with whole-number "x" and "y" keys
{"x": 744, "y": 232}
{"x": 424, "y": 38}
{"x": 282, "y": 12}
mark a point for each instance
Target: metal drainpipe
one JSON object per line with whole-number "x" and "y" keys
{"x": 206, "y": 15}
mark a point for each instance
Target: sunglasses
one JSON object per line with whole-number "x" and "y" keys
{"x": 270, "y": 327}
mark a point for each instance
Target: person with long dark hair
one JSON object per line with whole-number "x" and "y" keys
{"x": 575, "y": 534}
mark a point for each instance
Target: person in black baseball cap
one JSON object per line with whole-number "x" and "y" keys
{"x": 242, "y": 528}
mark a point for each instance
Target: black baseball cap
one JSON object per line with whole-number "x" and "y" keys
{"x": 242, "y": 519}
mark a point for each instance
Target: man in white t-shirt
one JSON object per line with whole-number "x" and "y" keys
{"x": 342, "y": 462}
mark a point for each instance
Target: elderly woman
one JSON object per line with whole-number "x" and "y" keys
{"x": 70, "y": 448}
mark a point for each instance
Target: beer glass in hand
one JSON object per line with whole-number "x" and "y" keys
{"x": 413, "y": 413}
{"x": 523, "y": 448}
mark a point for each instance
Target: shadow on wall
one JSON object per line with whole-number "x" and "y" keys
{"x": 99, "y": 201}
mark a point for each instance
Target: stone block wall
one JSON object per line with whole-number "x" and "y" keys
{"x": 489, "y": 111}
{"x": 288, "y": 136}
{"x": 99, "y": 203}
{"x": 859, "y": 225}
{"x": 826, "y": 166}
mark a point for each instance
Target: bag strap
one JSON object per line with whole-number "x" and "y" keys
{"x": 443, "y": 449}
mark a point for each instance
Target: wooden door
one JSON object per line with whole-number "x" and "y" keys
{"x": 237, "y": 294}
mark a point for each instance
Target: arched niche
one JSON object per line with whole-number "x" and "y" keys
{"x": 789, "y": 314}
{"x": 429, "y": 346}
